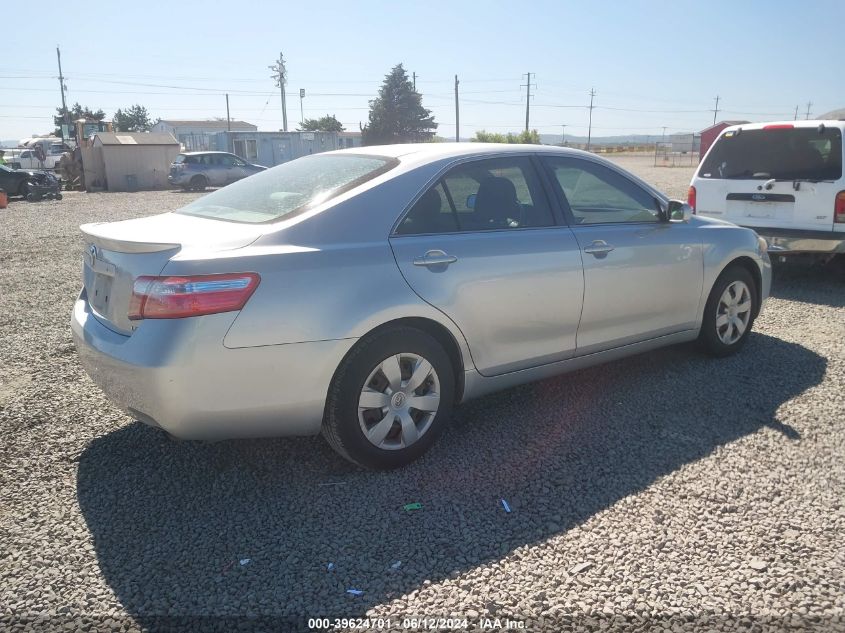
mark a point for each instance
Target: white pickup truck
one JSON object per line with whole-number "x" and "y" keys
{"x": 25, "y": 158}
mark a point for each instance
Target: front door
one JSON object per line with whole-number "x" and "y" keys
{"x": 642, "y": 276}
{"x": 482, "y": 246}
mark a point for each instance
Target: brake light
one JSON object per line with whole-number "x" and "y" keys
{"x": 180, "y": 297}
{"x": 839, "y": 208}
{"x": 691, "y": 198}
{"x": 779, "y": 126}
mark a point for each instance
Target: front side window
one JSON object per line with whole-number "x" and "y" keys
{"x": 499, "y": 193}
{"x": 599, "y": 195}
{"x": 288, "y": 188}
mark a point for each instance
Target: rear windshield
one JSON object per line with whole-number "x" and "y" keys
{"x": 806, "y": 153}
{"x": 288, "y": 188}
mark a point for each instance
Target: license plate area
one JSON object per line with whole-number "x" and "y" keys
{"x": 99, "y": 294}
{"x": 100, "y": 275}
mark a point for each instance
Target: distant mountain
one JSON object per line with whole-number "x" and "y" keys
{"x": 627, "y": 139}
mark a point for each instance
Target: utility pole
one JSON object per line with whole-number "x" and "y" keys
{"x": 527, "y": 101}
{"x": 590, "y": 126}
{"x": 563, "y": 139}
{"x": 663, "y": 138}
{"x": 65, "y": 113}
{"x": 301, "y": 109}
{"x": 280, "y": 75}
{"x": 228, "y": 124}
{"x": 414, "y": 75}
{"x": 716, "y": 110}
{"x": 795, "y": 118}
{"x": 457, "y": 114}
{"x": 809, "y": 105}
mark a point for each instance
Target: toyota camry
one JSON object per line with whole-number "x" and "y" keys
{"x": 363, "y": 293}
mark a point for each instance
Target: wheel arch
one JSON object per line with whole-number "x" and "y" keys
{"x": 754, "y": 270}
{"x": 437, "y": 331}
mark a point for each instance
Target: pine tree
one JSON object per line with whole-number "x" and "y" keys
{"x": 397, "y": 114}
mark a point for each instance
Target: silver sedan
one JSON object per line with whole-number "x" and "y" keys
{"x": 361, "y": 294}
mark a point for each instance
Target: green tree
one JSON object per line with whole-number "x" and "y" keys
{"x": 397, "y": 114}
{"x": 75, "y": 112}
{"x": 328, "y": 123}
{"x": 529, "y": 137}
{"x": 134, "y": 119}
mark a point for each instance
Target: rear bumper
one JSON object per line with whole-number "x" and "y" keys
{"x": 176, "y": 374}
{"x": 789, "y": 241}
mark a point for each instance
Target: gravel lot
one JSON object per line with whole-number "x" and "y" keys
{"x": 667, "y": 489}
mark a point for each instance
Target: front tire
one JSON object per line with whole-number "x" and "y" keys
{"x": 199, "y": 183}
{"x": 729, "y": 313}
{"x": 390, "y": 399}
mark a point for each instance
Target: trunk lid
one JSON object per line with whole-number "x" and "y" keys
{"x": 116, "y": 253}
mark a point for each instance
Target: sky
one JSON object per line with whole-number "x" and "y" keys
{"x": 652, "y": 64}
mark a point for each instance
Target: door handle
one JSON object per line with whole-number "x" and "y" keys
{"x": 598, "y": 247}
{"x": 435, "y": 258}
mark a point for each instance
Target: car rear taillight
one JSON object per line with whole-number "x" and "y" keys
{"x": 839, "y": 208}
{"x": 180, "y": 297}
{"x": 691, "y": 198}
{"x": 779, "y": 126}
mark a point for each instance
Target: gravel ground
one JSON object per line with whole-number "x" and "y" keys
{"x": 668, "y": 489}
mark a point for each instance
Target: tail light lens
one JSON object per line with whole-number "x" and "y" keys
{"x": 180, "y": 297}
{"x": 839, "y": 208}
{"x": 691, "y": 198}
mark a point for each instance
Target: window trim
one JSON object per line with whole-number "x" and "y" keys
{"x": 659, "y": 199}
{"x": 463, "y": 160}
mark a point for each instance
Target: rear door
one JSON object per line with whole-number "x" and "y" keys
{"x": 778, "y": 176}
{"x": 642, "y": 276}
{"x": 482, "y": 245}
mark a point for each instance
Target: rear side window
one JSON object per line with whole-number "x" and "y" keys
{"x": 805, "y": 153}
{"x": 289, "y": 188}
{"x": 483, "y": 195}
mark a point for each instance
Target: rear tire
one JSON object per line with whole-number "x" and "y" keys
{"x": 729, "y": 313}
{"x": 406, "y": 383}
{"x": 199, "y": 183}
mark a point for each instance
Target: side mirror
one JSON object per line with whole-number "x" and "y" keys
{"x": 678, "y": 211}
{"x": 471, "y": 201}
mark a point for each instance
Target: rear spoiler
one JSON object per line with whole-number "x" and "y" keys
{"x": 98, "y": 234}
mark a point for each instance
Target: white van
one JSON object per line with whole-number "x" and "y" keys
{"x": 784, "y": 180}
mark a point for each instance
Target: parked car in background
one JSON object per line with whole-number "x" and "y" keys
{"x": 198, "y": 170}
{"x": 363, "y": 292}
{"x": 29, "y": 184}
{"x": 783, "y": 179}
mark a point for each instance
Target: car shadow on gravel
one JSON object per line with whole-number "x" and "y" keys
{"x": 247, "y": 528}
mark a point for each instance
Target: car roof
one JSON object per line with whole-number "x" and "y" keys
{"x": 200, "y": 153}
{"x": 805, "y": 123}
{"x": 429, "y": 152}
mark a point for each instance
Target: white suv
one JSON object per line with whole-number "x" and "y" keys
{"x": 784, "y": 180}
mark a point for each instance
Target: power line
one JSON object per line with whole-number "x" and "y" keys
{"x": 280, "y": 74}
{"x": 457, "y": 113}
{"x": 590, "y": 126}
{"x": 527, "y": 100}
